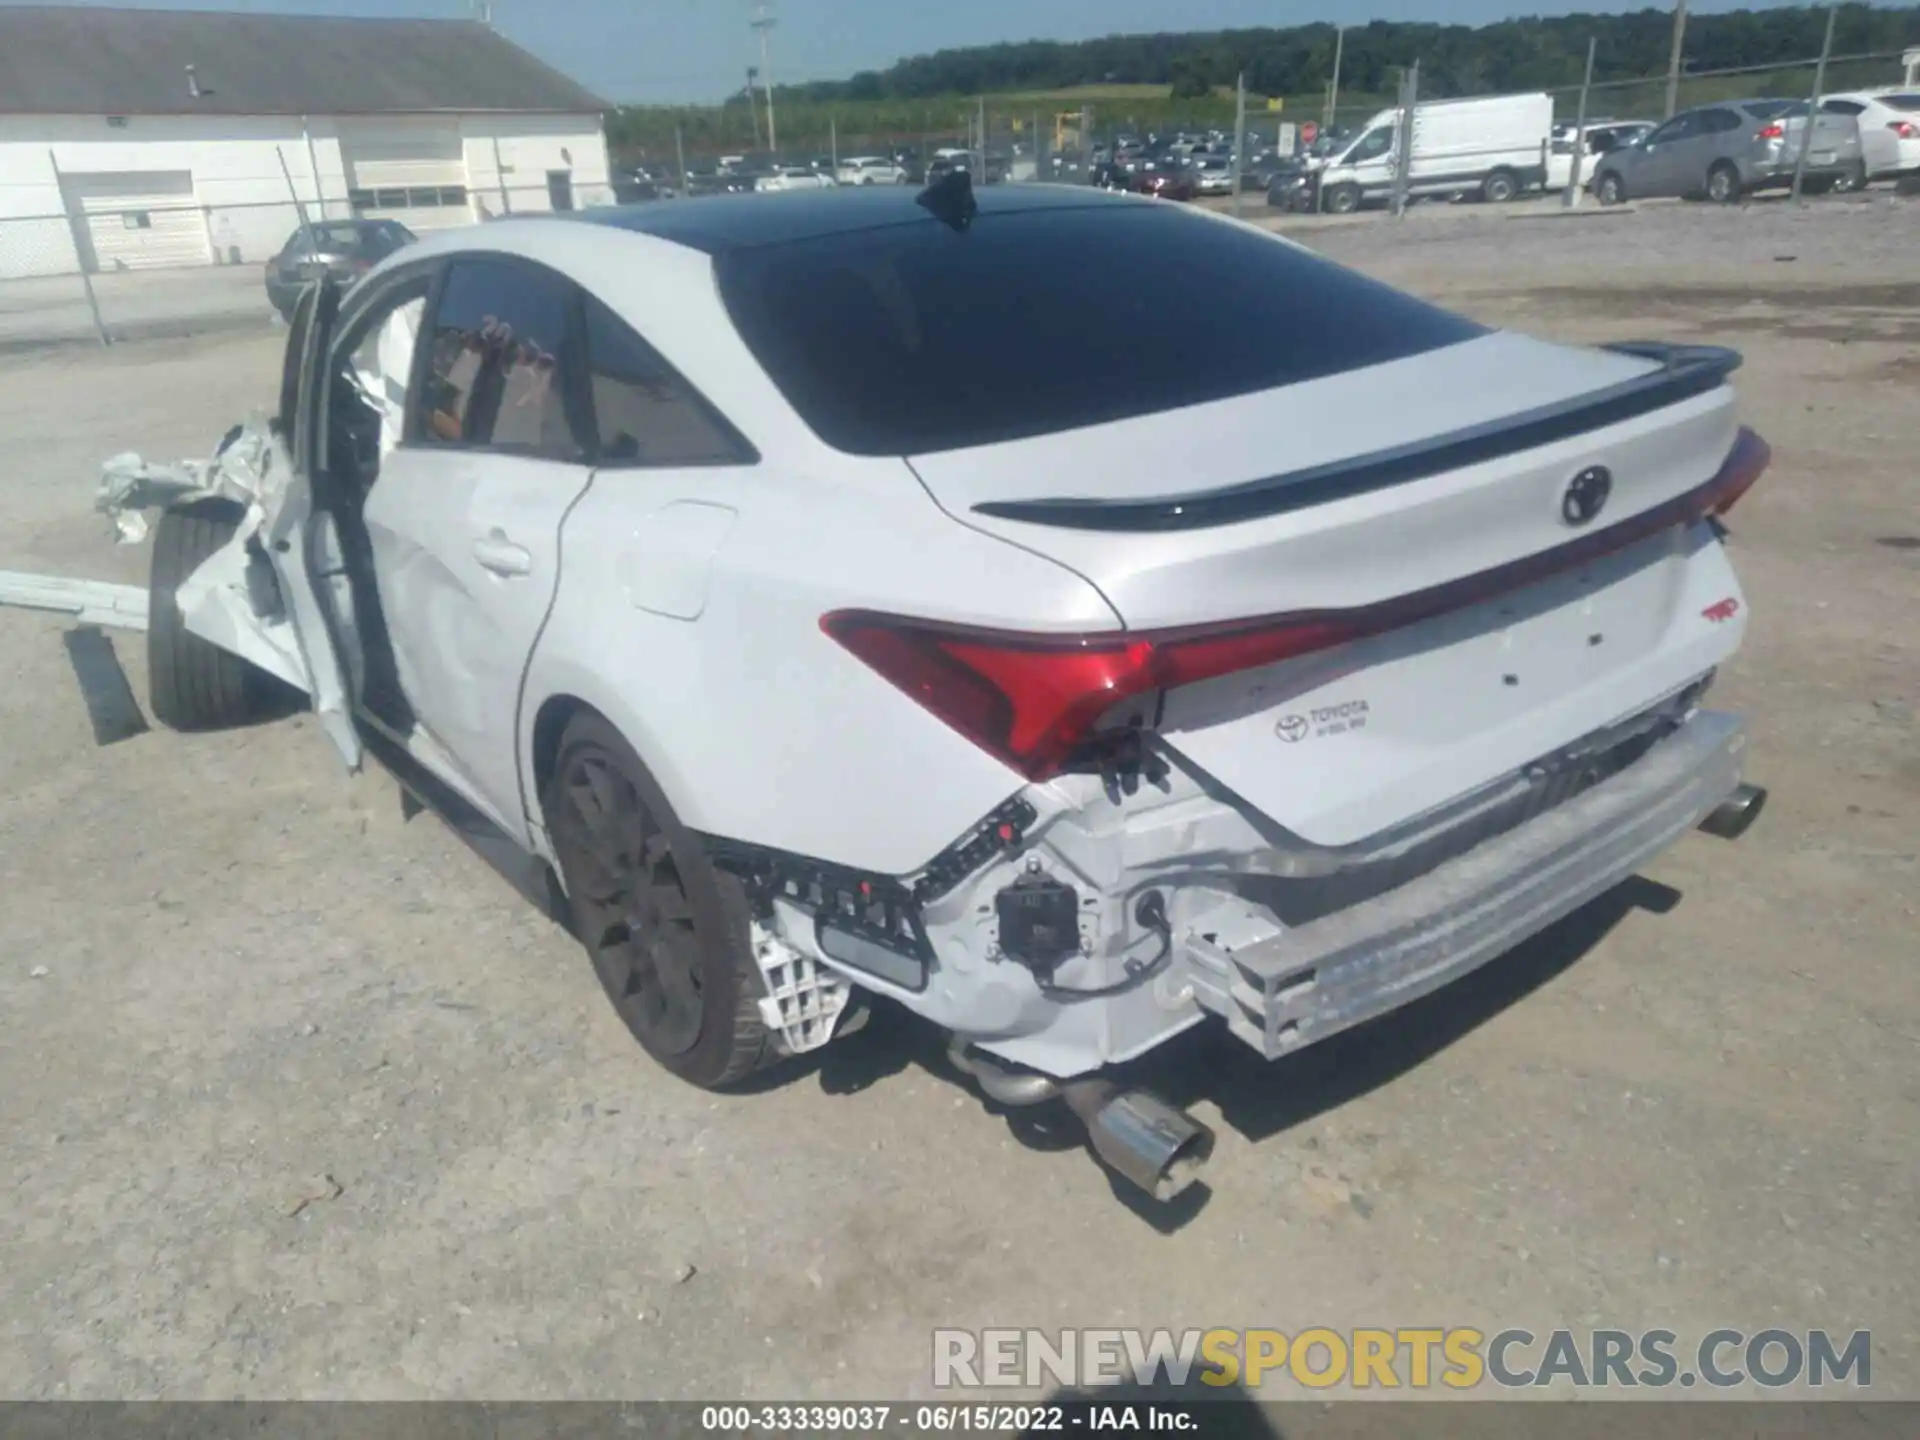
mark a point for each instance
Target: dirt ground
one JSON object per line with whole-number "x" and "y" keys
{"x": 296, "y": 1100}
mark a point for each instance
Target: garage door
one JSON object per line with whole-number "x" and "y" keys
{"x": 413, "y": 171}
{"x": 136, "y": 219}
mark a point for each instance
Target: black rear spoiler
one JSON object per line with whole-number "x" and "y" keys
{"x": 1685, "y": 371}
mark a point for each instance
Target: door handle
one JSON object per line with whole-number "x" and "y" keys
{"x": 497, "y": 553}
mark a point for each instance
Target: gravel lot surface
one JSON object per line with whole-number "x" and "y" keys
{"x": 297, "y": 1100}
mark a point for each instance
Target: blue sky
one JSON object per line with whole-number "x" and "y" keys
{"x": 685, "y": 50}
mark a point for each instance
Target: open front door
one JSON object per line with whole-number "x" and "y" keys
{"x": 285, "y": 531}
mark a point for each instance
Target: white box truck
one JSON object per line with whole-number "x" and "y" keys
{"x": 1494, "y": 147}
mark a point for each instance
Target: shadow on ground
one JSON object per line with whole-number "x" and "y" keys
{"x": 1257, "y": 1097}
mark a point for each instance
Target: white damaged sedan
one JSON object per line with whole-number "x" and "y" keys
{"x": 847, "y": 594}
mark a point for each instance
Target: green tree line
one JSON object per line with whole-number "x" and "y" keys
{"x": 931, "y": 95}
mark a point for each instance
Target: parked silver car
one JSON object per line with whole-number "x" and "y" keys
{"x": 1728, "y": 150}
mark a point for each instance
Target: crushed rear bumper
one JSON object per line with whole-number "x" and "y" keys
{"x": 1315, "y": 980}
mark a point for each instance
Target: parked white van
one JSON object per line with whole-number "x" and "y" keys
{"x": 1495, "y": 146}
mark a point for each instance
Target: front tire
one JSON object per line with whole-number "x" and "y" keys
{"x": 669, "y": 934}
{"x": 1611, "y": 189}
{"x": 193, "y": 684}
{"x": 1342, "y": 200}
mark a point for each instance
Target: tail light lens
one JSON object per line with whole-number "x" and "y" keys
{"x": 1775, "y": 131}
{"x": 1745, "y": 464}
{"x": 1905, "y": 129}
{"x": 1034, "y": 700}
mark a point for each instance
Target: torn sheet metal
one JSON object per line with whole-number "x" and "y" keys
{"x": 93, "y": 601}
{"x": 241, "y": 470}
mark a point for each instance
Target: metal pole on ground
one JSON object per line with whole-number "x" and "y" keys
{"x": 1239, "y": 139}
{"x": 1333, "y": 89}
{"x": 1813, "y": 102}
{"x": 1086, "y": 142}
{"x": 1673, "y": 60}
{"x": 680, "y": 154}
{"x": 1572, "y": 197}
{"x": 833, "y": 143}
{"x": 80, "y": 251}
{"x": 980, "y": 154}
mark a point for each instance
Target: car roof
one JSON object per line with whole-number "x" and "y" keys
{"x": 720, "y": 223}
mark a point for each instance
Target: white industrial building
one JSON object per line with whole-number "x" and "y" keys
{"x": 132, "y": 139}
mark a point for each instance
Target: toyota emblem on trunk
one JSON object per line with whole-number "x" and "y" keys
{"x": 1586, "y": 495}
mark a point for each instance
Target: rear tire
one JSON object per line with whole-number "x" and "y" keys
{"x": 669, "y": 934}
{"x": 1342, "y": 200}
{"x": 193, "y": 683}
{"x": 1723, "y": 184}
{"x": 1610, "y": 188}
{"x": 1500, "y": 187}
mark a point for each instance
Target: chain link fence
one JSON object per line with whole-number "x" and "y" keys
{"x": 118, "y": 268}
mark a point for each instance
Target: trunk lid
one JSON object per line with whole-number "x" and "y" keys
{"x": 1361, "y": 490}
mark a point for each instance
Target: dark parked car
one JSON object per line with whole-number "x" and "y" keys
{"x": 1722, "y": 152}
{"x": 344, "y": 249}
{"x": 1163, "y": 181}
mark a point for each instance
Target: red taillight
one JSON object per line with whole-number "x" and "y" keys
{"x": 1032, "y": 700}
{"x": 1905, "y": 129}
{"x": 1745, "y": 463}
{"x": 1775, "y": 131}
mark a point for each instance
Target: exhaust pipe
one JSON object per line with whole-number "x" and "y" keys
{"x": 1734, "y": 816}
{"x": 1141, "y": 1137}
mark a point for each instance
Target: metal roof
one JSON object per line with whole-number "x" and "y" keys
{"x": 89, "y": 61}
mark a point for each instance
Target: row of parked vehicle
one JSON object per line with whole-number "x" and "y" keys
{"x": 1498, "y": 147}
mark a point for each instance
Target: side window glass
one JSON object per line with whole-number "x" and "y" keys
{"x": 495, "y": 374}
{"x": 1671, "y": 131}
{"x": 1721, "y": 121}
{"x": 646, "y": 414}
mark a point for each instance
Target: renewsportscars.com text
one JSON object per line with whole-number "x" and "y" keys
{"x": 1457, "y": 1358}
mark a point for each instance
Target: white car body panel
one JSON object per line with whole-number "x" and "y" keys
{"x": 685, "y": 605}
{"x": 869, "y": 170}
{"x": 467, "y": 550}
{"x": 1889, "y": 131}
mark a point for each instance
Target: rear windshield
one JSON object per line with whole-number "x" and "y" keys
{"x": 1772, "y": 109}
{"x": 1909, "y": 103}
{"x": 916, "y": 338}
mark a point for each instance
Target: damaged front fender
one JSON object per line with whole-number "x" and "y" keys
{"x": 252, "y": 597}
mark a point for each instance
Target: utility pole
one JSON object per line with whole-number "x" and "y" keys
{"x": 753, "y": 104}
{"x": 980, "y": 124}
{"x": 1673, "y": 60}
{"x": 1572, "y": 197}
{"x": 1239, "y": 138}
{"x": 763, "y": 21}
{"x": 1333, "y": 90}
{"x": 1813, "y": 102}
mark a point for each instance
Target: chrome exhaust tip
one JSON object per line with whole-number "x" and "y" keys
{"x": 1734, "y": 816}
{"x": 1141, "y": 1138}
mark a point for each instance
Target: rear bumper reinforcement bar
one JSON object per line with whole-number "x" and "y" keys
{"x": 1316, "y": 980}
